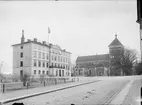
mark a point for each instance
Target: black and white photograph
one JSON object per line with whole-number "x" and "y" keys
{"x": 70, "y": 52}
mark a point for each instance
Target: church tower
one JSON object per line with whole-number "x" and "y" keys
{"x": 116, "y": 49}
{"x": 23, "y": 38}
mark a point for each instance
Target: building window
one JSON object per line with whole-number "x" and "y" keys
{"x": 52, "y": 64}
{"x": 21, "y": 64}
{"x": 65, "y": 66}
{"x": 21, "y": 47}
{"x": 46, "y": 72}
{"x": 47, "y": 56}
{"x": 59, "y": 58}
{"x": 43, "y": 72}
{"x": 35, "y": 54}
{"x": 56, "y": 72}
{"x": 62, "y": 72}
{"x": 47, "y": 65}
{"x": 39, "y": 55}
{"x": 43, "y": 64}
{"x": 55, "y": 58}
{"x": 43, "y": 56}
{"x": 39, "y": 63}
{"x": 21, "y": 54}
{"x": 39, "y": 72}
{"x": 35, "y": 63}
{"x": 34, "y": 71}
{"x": 52, "y": 57}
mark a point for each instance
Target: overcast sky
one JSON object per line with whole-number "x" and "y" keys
{"x": 80, "y": 27}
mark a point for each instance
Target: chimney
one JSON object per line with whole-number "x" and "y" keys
{"x": 43, "y": 42}
{"x": 35, "y": 39}
{"x": 115, "y": 35}
{"x": 23, "y": 38}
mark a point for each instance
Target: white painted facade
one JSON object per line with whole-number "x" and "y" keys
{"x": 40, "y": 59}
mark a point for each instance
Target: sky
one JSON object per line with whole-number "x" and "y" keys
{"x": 81, "y": 27}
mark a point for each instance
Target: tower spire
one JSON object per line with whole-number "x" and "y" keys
{"x": 23, "y": 38}
{"x": 115, "y": 35}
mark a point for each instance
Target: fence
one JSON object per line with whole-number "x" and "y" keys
{"x": 34, "y": 83}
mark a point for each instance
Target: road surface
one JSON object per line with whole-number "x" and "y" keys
{"x": 94, "y": 93}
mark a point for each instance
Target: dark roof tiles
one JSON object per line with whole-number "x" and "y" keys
{"x": 115, "y": 42}
{"x": 93, "y": 58}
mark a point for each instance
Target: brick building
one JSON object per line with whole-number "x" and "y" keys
{"x": 100, "y": 65}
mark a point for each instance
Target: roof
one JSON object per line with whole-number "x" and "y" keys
{"x": 32, "y": 42}
{"x": 92, "y": 58}
{"x": 115, "y": 42}
{"x": 92, "y": 65}
{"x": 43, "y": 44}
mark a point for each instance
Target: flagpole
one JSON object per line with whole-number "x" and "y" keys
{"x": 48, "y": 38}
{"x": 49, "y": 53}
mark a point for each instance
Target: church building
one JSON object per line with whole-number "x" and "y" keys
{"x": 100, "y": 65}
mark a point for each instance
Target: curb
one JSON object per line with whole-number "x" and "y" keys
{"x": 122, "y": 94}
{"x": 41, "y": 93}
{"x": 113, "y": 96}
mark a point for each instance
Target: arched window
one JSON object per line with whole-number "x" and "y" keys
{"x": 21, "y": 54}
{"x": 21, "y": 63}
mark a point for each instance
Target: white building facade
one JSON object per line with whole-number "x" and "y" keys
{"x": 35, "y": 58}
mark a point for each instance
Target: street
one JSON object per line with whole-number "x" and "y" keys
{"x": 93, "y": 93}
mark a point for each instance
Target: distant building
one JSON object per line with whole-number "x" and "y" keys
{"x": 99, "y": 65}
{"x": 39, "y": 58}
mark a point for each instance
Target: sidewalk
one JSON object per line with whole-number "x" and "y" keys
{"x": 130, "y": 95}
{"x": 133, "y": 97}
{"x": 21, "y": 94}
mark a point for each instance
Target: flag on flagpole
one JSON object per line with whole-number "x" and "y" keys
{"x": 49, "y": 30}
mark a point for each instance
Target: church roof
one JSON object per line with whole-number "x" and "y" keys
{"x": 92, "y": 58}
{"x": 115, "y": 42}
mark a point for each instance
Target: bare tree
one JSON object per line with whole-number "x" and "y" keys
{"x": 138, "y": 68}
{"x": 25, "y": 79}
{"x": 125, "y": 61}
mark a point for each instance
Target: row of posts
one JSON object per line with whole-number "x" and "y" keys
{"x": 44, "y": 83}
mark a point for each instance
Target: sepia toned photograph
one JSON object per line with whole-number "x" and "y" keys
{"x": 70, "y": 52}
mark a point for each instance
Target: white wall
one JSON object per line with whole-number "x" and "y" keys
{"x": 26, "y": 58}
